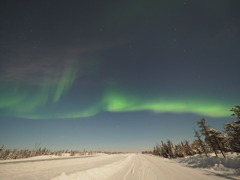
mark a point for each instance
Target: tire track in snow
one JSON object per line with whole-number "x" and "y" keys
{"x": 130, "y": 171}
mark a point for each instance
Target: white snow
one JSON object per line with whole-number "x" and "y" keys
{"x": 219, "y": 165}
{"x": 45, "y": 157}
{"x": 113, "y": 167}
{"x": 104, "y": 172}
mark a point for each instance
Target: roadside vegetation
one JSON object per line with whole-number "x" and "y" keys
{"x": 208, "y": 141}
{"x": 6, "y": 154}
{"x": 19, "y": 154}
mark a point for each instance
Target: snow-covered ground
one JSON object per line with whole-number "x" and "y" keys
{"x": 45, "y": 158}
{"x": 113, "y": 167}
{"x": 220, "y": 166}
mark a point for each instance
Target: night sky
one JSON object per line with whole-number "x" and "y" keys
{"x": 115, "y": 75}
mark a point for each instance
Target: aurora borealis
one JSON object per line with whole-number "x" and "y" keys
{"x": 34, "y": 103}
{"x": 134, "y": 62}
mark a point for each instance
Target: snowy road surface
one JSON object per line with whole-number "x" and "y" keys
{"x": 114, "y": 167}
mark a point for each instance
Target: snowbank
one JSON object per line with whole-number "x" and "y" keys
{"x": 45, "y": 158}
{"x": 231, "y": 164}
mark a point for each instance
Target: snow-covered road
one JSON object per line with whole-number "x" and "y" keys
{"x": 114, "y": 167}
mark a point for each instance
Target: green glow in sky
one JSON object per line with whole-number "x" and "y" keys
{"x": 25, "y": 100}
{"x": 117, "y": 102}
{"x": 65, "y": 83}
{"x": 45, "y": 102}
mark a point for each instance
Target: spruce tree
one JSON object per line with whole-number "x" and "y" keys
{"x": 171, "y": 149}
{"x": 233, "y": 130}
{"x": 204, "y": 129}
{"x": 216, "y": 137}
{"x": 200, "y": 142}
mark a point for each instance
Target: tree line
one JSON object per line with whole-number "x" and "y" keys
{"x": 208, "y": 140}
{"x": 19, "y": 154}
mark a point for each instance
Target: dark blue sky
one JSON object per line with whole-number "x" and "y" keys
{"x": 115, "y": 75}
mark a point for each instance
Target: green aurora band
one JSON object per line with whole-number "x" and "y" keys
{"x": 114, "y": 101}
{"x": 117, "y": 102}
{"x": 65, "y": 83}
{"x": 45, "y": 101}
{"x": 23, "y": 100}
